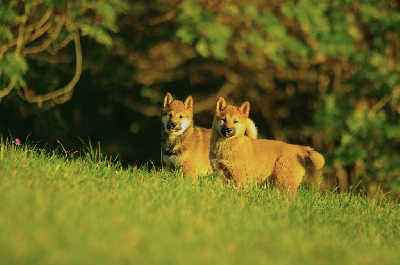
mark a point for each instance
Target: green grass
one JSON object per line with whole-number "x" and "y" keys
{"x": 55, "y": 209}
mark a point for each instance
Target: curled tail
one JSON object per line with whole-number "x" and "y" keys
{"x": 251, "y": 129}
{"x": 316, "y": 158}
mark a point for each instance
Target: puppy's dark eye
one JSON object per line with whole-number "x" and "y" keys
{"x": 235, "y": 121}
{"x": 181, "y": 116}
{"x": 169, "y": 115}
{"x": 224, "y": 119}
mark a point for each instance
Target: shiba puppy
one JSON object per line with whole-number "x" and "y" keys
{"x": 245, "y": 160}
{"x": 185, "y": 146}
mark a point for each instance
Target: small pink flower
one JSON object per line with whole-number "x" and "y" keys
{"x": 17, "y": 141}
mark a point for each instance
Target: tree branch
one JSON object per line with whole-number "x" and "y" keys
{"x": 20, "y": 39}
{"x": 163, "y": 18}
{"x": 40, "y": 23}
{"x": 29, "y": 37}
{"x": 64, "y": 93}
{"x": 8, "y": 89}
{"x": 57, "y": 46}
{"x": 49, "y": 41}
{"x": 18, "y": 49}
{"x": 40, "y": 31}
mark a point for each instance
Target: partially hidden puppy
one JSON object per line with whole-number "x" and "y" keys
{"x": 185, "y": 146}
{"x": 245, "y": 160}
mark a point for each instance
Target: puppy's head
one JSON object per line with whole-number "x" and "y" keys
{"x": 231, "y": 121}
{"x": 176, "y": 116}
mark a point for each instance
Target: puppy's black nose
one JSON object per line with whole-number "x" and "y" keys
{"x": 173, "y": 125}
{"x": 228, "y": 130}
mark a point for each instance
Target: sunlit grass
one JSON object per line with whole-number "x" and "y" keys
{"x": 63, "y": 209}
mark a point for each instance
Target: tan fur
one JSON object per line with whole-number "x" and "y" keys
{"x": 251, "y": 129}
{"x": 186, "y": 148}
{"x": 245, "y": 160}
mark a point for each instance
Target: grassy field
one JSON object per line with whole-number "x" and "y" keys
{"x": 55, "y": 209}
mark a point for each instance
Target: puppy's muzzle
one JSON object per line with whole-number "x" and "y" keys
{"x": 227, "y": 132}
{"x": 173, "y": 126}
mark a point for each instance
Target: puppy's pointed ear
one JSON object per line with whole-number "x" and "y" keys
{"x": 221, "y": 104}
{"x": 168, "y": 100}
{"x": 189, "y": 103}
{"x": 245, "y": 108}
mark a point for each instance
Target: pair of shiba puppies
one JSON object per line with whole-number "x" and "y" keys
{"x": 230, "y": 147}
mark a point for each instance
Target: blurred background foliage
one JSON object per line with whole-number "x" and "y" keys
{"x": 320, "y": 73}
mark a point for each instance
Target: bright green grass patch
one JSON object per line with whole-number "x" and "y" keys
{"x": 58, "y": 210}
